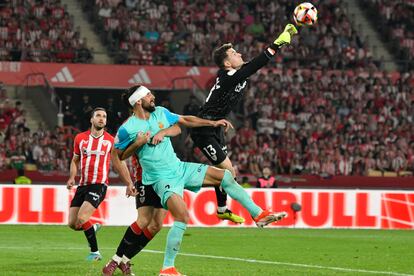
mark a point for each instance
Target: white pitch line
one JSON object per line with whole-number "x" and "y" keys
{"x": 233, "y": 259}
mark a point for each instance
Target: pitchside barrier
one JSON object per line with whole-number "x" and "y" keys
{"x": 377, "y": 209}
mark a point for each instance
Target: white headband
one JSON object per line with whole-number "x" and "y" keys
{"x": 140, "y": 93}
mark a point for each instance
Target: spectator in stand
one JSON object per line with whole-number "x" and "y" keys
{"x": 266, "y": 180}
{"x": 328, "y": 167}
{"x": 85, "y": 111}
{"x": 382, "y": 162}
{"x": 17, "y": 159}
{"x": 68, "y": 109}
{"x": 399, "y": 163}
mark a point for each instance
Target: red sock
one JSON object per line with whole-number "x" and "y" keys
{"x": 87, "y": 225}
{"x": 135, "y": 228}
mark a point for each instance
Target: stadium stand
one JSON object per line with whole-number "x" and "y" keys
{"x": 396, "y": 23}
{"x": 297, "y": 122}
{"x": 40, "y": 31}
{"x": 185, "y": 32}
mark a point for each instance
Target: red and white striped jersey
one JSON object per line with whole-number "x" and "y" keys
{"x": 95, "y": 155}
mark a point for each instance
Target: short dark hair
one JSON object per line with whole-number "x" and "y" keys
{"x": 125, "y": 96}
{"x": 97, "y": 109}
{"x": 220, "y": 54}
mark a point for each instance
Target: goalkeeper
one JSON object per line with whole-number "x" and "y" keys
{"x": 232, "y": 79}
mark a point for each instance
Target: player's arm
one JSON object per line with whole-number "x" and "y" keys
{"x": 123, "y": 172}
{"x": 172, "y": 131}
{"x": 74, "y": 163}
{"x": 193, "y": 121}
{"x": 234, "y": 77}
{"x": 142, "y": 139}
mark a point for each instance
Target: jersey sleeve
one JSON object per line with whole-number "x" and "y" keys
{"x": 233, "y": 77}
{"x": 172, "y": 118}
{"x": 76, "y": 149}
{"x": 122, "y": 138}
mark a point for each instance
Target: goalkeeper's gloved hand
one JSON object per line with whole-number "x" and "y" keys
{"x": 285, "y": 37}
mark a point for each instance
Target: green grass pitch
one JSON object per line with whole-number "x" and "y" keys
{"x": 57, "y": 250}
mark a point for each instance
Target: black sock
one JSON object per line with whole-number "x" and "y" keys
{"x": 140, "y": 243}
{"x": 221, "y": 197}
{"x": 90, "y": 235}
{"x": 130, "y": 237}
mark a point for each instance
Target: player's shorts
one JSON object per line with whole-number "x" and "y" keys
{"x": 94, "y": 194}
{"x": 146, "y": 196}
{"x": 189, "y": 176}
{"x": 212, "y": 146}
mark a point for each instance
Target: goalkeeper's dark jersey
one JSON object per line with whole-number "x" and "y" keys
{"x": 227, "y": 91}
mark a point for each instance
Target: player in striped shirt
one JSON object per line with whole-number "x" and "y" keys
{"x": 93, "y": 150}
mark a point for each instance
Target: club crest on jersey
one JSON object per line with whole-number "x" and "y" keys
{"x": 105, "y": 143}
{"x": 160, "y": 125}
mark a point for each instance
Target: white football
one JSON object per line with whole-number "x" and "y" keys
{"x": 305, "y": 14}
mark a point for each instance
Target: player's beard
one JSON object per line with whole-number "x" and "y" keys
{"x": 148, "y": 107}
{"x": 98, "y": 127}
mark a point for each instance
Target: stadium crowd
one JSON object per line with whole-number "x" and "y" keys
{"x": 396, "y": 23}
{"x": 184, "y": 32}
{"x": 357, "y": 122}
{"x": 295, "y": 122}
{"x": 40, "y": 31}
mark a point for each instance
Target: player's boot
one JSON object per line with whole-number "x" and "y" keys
{"x": 267, "y": 217}
{"x": 109, "y": 268}
{"x": 94, "y": 256}
{"x": 170, "y": 271}
{"x": 126, "y": 268}
{"x": 229, "y": 215}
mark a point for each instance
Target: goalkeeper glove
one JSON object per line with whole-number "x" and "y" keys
{"x": 285, "y": 37}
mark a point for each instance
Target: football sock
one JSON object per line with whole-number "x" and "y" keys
{"x": 174, "y": 238}
{"x": 130, "y": 237}
{"x": 237, "y": 192}
{"x": 139, "y": 243}
{"x": 125, "y": 259}
{"x": 90, "y": 235}
{"x": 117, "y": 259}
{"x": 221, "y": 199}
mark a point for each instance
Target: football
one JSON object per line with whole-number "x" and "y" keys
{"x": 305, "y": 14}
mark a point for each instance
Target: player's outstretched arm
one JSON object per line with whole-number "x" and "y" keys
{"x": 73, "y": 171}
{"x": 193, "y": 121}
{"x": 261, "y": 60}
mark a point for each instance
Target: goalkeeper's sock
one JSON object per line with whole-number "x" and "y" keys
{"x": 90, "y": 235}
{"x": 174, "y": 238}
{"x": 237, "y": 192}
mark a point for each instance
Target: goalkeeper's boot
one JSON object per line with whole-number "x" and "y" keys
{"x": 109, "y": 268}
{"x": 126, "y": 268}
{"x": 170, "y": 271}
{"x": 94, "y": 256}
{"x": 229, "y": 215}
{"x": 267, "y": 217}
